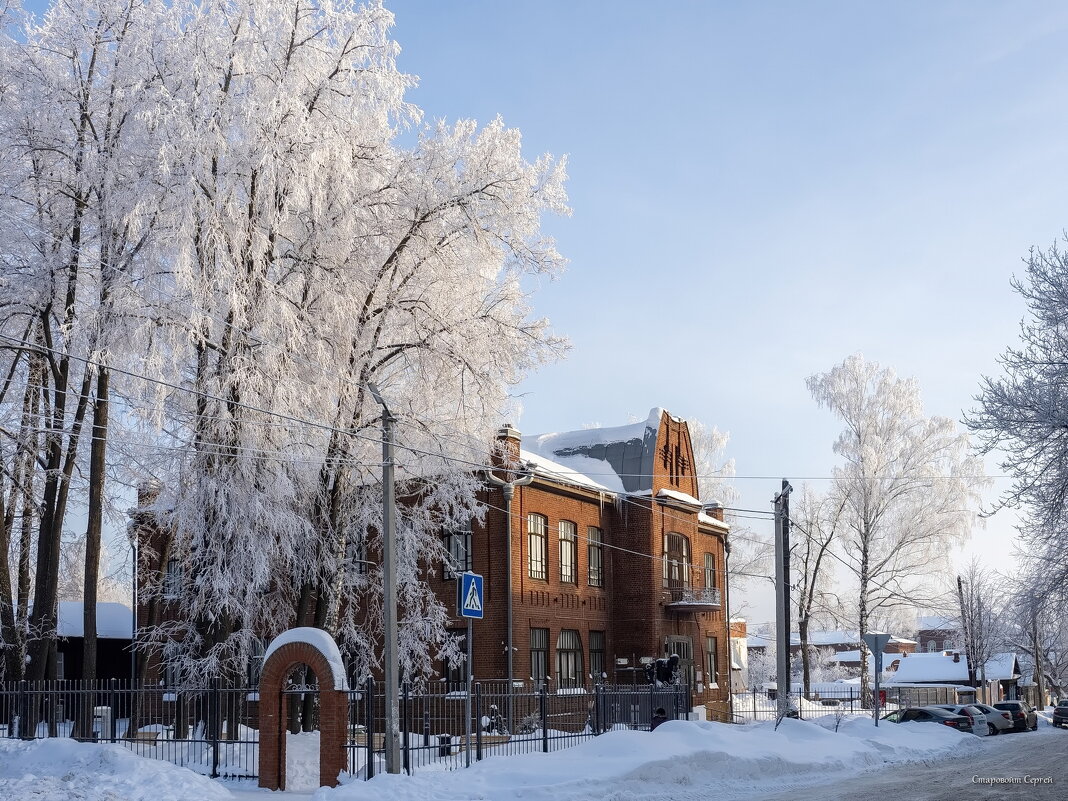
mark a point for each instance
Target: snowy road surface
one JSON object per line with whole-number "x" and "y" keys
{"x": 680, "y": 761}
{"x": 1030, "y": 758}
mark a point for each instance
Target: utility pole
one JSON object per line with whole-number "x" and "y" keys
{"x": 520, "y": 479}
{"x": 782, "y": 600}
{"x": 389, "y": 587}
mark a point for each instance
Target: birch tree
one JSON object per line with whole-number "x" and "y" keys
{"x": 908, "y": 486}
{"x": 817, "y": 524}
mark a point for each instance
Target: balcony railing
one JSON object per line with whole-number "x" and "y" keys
{"x": 701, "y": 599}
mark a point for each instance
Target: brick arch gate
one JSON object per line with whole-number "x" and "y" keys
{"x": 316, "y": 649}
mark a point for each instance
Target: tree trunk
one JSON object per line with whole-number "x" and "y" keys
{"x": 93, "y": 526}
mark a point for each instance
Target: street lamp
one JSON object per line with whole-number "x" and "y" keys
{"x": 522, "y": 477}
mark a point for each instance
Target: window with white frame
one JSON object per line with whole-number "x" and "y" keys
{"x": 711, "y": 649}
{"x": 676, "y": 561}
{"x": 710, "y": 571}
{"x": 538, "y": 546}
{"x": 172, "y": 579}
{"x": 568, "y": 552}
{"x": 458, "y": 547}
{"x": 595, "y": 556}
{"x": 569, "y": 671}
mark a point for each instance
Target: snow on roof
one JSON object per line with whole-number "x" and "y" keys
{"x": 681, "y": 497}
{"x": 619, "y": 458}
{"x": 570, "y": 475}
{"x": 321, "y": 641}
{"x": 113, "y": 621}
{"x": 1001, "y": 666}
{"x": 919, "y": 668}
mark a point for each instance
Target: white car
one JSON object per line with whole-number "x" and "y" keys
{"x": 981, "y": 726}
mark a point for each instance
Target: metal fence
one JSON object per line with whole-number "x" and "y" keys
{"x": 760, "y": 704}
{"x": 215, "y": 730}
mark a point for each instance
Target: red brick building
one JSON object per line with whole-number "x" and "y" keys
{"x": 615, "y": 561}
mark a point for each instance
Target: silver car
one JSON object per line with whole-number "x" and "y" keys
{"x": 997, "y": 720}
{"x": 980, "y": 725}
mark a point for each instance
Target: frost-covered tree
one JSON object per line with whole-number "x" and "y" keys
{"x": 907, "y": 485}
{"x": 1022, "y": 416}
{"x": 215, "y": 237}
{"x": 817, "y": 520}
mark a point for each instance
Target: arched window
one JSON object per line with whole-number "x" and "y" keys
{"x": 676, "y": 561}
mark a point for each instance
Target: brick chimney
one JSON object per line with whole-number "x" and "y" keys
{"x": 714, "y": 509}
{"x": 509, "y": 438}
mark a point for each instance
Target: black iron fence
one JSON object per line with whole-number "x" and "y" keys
{"x": 215, "y": 730}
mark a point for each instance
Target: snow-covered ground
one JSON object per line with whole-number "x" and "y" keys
{"x": 680, "y": 760}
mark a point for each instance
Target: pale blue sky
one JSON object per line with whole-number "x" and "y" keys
{"x": 760, "y": 189}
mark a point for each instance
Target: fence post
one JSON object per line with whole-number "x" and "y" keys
{"x": 800, "y": 706}
{"x": 675, "y": 701}
{"x": 543, "y": 703}
{"x": 652, "y": 702}
{"x": 406, "y": 726}
{"x": 215, "y": 724}
{"x": 478, "y": 721}
{"x": 426, "y": 728}
{"x": 24, "y": 710}
{"x": 369, "y": 725}
{"x": 113, "y": 702}
{"x": 597, "y": 699}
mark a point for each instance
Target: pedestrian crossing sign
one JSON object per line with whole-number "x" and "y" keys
{"x": 471, "y": 595}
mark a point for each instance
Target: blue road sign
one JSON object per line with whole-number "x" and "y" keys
{"x": 471, "y": 595}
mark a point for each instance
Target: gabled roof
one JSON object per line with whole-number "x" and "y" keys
{"x": 1002, "y": 666}
{"x": 619, "y": 459}
{"x": 926, "y": 668}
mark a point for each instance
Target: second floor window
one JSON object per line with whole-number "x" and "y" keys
{"x": 710, "y": 571}
{"x": 595, "y": 552}
{"x": 538, "y": 546}
{"x": 458, "y": 546}
{"x": 676, "y": 561}
{"x": 568, "y": 552}
{"x": 172, "y": 579}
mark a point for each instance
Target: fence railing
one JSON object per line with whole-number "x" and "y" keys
{"x": 212, "y": 730}
{"x": 215, "y": 730}
{"x": 758, "y": 704}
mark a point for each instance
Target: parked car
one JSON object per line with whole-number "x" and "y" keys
{"x": 930, "y": 714}
{"x": 1060, "y": 713}
{"x": 1024, "y": 718}
{"x": 980, "y": 726}
{"x": 1000, "y": 719}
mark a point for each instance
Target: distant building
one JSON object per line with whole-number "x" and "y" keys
{"x": 114, "y": 637}
{"x": 938, "y": 633}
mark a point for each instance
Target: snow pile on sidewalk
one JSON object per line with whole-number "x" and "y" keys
{"x": 680, "y": 760}
{"x": 60, "y": 769}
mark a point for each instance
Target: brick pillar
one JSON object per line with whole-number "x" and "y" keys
{"x": 333, "y": 715}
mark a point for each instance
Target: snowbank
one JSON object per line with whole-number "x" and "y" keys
{"x": 66, "y": 769}
{"x": 737, "y": 761}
